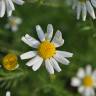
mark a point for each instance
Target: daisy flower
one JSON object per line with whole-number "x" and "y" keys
{"x": 83, "y": 7}
{"x": 46, "y": 50}
{"x": 9, "y": 6}
{"x": 85, "y": 80}
{"x": 10, "y": 62}
{"x": 8, "y": 93}
{"x": 13, "y": 23}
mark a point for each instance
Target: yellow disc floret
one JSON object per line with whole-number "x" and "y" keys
{"x": 46, "y": 49}
{"x": 12, "y": 22}
{"x": 88, "y": 81}
{"x": 10, "y": 62}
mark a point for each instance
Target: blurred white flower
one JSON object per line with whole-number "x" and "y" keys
{"x": 13, "y": 23}
{"x": 46, "y": 50}
{"x": 8, "y": 93}
{"x": 83, "y": 7}
{"x": 9, "y": 6}
{"x": 85, "y": 80}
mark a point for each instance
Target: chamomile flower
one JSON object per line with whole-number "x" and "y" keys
{"x": 7, "y": 5}
{"x": 46, "y": 50}
{"x": 83, "y": 7}
{"x": 8, "y": 93}
{"x": 13, "y": 23}
{"x": 85, "y": 80}
{"x": 10, "y": 62}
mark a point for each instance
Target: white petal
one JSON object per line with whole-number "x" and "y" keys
{"x": 19, "y": 2}
{"x": 33, "y": 61}
{"x": 78, "y": 10}
{"x": 28, "y": 55}
{"x": 88, "y": 70}
{"x": 2, "y": 8}
{"x": 84, "y": 11}
{"x": 75, "y": 82}
{"x": 65, "y": 53}
{"x": 81, "y": 89}
{"x": 93, "y": 3}
{"x": 10, "y": 5}
{"x": 94, "y": 78}
{"x": 89, "y": 92}
{"x": 18, "y": 20}
{"x": 55, "y": 64}
{"x": 26, "y": 41}
{"x": 90, "y": 9}
{"x": 58, "y": 40}
{"x": 40, "y": 33}
{"x": 49, "y": 66}
{"x": 9, "y": 12}
{"x": 30, "y": 41}
{"x": 37, "y": 65}
{"x": 92, "y": 92}
{"x": 14, "y": 28}
{"x": 61, "y": 59}
{"x": 49, "y": 33}
{"x": 94, "y": 74}
{"x": 81, "y": 73}
{"x": 8, "y": 93}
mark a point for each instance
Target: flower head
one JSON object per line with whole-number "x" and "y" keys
{"x": 46, "y": 50}
{"x": 10, "y": 62}
{"x": 83, "y": 7}
{"x": 13, "y": 23}
{"x": 85, "y": 81}
{"x": 9, "y": 6}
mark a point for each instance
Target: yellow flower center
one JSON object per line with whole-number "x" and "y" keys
{"x": 88, "y": 81}
{"x": 46, "y": 49}
{"x": 13, "y": 22}
{"x": 10, "y": 62}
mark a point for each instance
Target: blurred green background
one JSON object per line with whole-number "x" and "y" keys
{"x": 80, "y": 39}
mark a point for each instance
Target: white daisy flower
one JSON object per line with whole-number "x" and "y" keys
{"x": 85, "y": 81}
{"x": 13, "y": 23}
{"x": 9, "y": 6}
{"x": 83, "y": 7}
{"x": 8, "y": 93}
{"x": 46, "y": 50}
